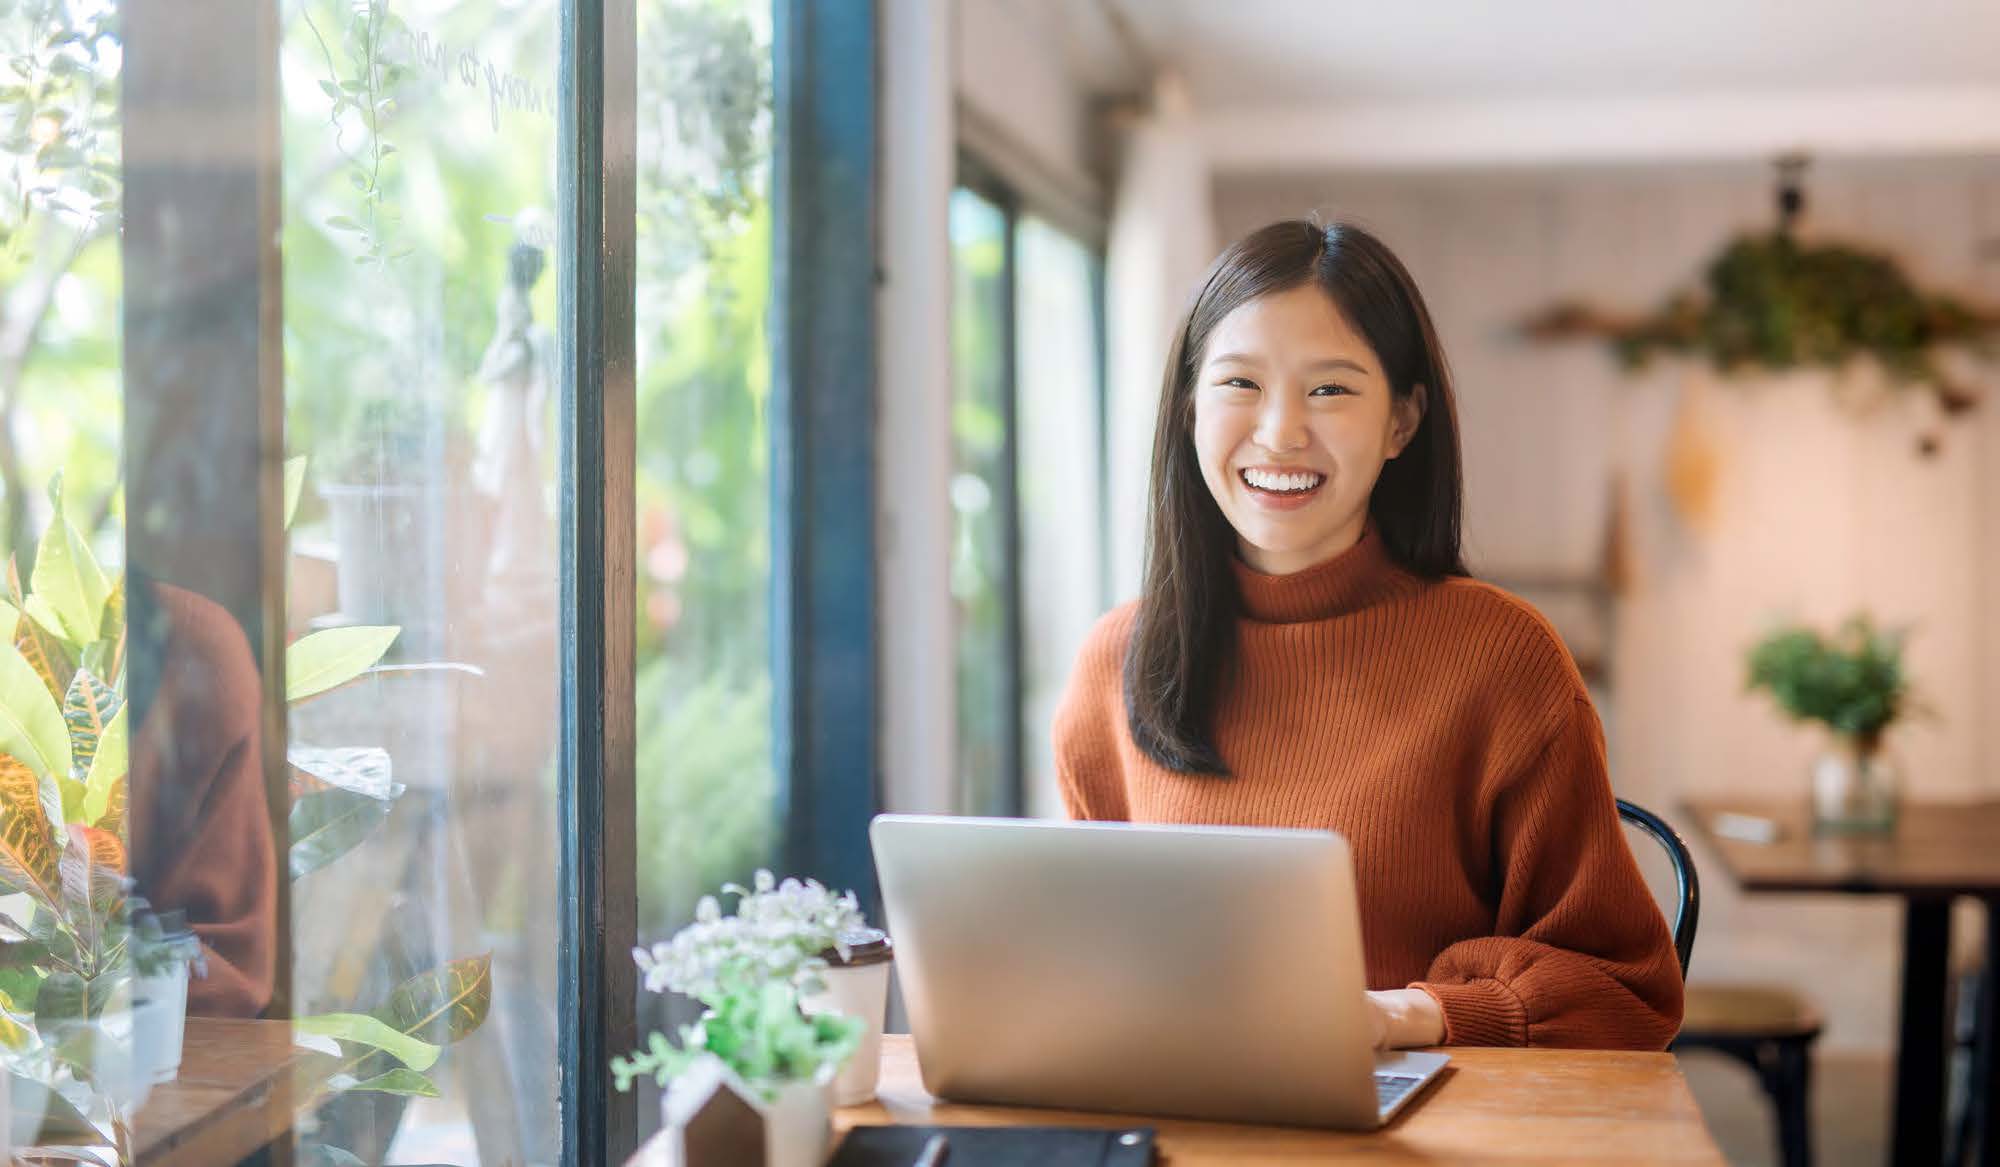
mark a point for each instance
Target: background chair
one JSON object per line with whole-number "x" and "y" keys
{"x": 1769, "y": 1028}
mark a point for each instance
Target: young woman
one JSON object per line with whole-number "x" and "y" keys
{"x": 1308, "y": 651}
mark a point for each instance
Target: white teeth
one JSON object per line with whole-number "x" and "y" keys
{"x": 1263, "y": 480}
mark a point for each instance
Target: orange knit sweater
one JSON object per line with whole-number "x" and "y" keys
{"x": 1442, "y": 728}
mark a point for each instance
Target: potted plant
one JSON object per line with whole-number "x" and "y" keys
{"x": 1852, "y": 682}
{"x": 93, "y": 980}
{"x": 754, "y": 973}
{"x": 400, "y": 505}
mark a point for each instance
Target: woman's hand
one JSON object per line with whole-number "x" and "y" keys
{"x": 1405, "y": 1018}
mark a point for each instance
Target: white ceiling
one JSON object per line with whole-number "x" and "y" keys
{"x": 1262, "y": 52}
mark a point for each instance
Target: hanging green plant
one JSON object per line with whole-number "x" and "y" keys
{"x": 1772, "y": 302}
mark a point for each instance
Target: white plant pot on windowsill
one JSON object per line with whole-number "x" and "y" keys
{"x": 857, "y": 986}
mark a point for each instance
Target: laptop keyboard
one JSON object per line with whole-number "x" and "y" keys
{"x": 1390, "y": 1089}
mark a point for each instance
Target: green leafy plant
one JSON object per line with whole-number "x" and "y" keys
{"x": 364, "y": 98}
{"x": 1772, "y": 302}
{"x": 63, "y": 799}
{"x": 756, "y": 1028}
{"x": 749, "y": 970}
{"x": 1852, "y": 681}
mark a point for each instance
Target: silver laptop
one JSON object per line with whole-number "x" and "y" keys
{"x": 1206, "y": 972}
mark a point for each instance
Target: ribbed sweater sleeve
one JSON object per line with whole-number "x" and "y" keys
{"x": 1089, "y": 721}
{"x": 1580, "y": 954}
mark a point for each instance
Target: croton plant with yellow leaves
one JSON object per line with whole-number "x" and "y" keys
{"x": 72, "y": 932}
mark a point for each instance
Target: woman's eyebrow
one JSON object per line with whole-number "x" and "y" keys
{"x": 1236, "y": 358}
{"x": 1336, "y": 363}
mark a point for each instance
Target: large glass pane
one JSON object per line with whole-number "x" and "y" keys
{"x": 1062, "y": 537}
{"x": 707, "y": 796}
{"x": 981, "y": 571}
{"x": 66, "y": 969}
{"x": 419, "y": 309}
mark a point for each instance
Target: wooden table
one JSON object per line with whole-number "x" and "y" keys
{"x": 1938, "y": 851}
{"x": 235, "y": 1094}
{"x": 1491, "y": 1107}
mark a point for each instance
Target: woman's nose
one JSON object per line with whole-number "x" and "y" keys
{"x": 1281, "y": 423}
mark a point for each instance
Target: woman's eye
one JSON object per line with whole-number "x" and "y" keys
{"x": 1240, "y": 383}
{"x": 1331, "y": 391}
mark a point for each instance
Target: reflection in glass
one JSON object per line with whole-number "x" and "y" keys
{"x": 419, "y": 298}
{"x": 982, "y": 551}
{"x": 72, "y": 1022}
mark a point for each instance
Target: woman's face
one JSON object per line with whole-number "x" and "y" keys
{"x": 1293, "y": 418}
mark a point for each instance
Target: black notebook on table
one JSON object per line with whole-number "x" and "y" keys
{"x": 999, "y": 1146}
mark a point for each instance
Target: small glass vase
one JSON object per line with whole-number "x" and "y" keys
{"x": 1856, "y": 787}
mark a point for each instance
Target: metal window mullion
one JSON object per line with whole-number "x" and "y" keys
{"x": 823, "y": 600}
{"x": 596, "y": 799}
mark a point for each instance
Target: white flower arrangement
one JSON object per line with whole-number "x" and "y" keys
{"x": 777, "y": 934}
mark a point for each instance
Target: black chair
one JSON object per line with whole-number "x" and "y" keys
{"x": 1687, "y": 886}
{"x": 1769, "y": 1028}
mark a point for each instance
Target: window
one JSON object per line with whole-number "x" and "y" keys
{"x": 1027, "y": 566}
{"x": 707, "y": 787}
{"x": 421, "y": 388}
{"x": 319, "y": 360}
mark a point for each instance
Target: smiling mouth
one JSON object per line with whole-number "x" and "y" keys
{"x": 1290, "y": 484}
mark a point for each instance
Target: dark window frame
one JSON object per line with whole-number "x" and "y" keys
{"x": 988, "y": 182}
{"x": 826, "y": 670}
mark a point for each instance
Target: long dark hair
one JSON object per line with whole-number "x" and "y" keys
{"x": 1183, "y": 641}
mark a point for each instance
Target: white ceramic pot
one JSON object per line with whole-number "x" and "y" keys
{"x": 159, "y": 1022}
{"x": 115, "y": 1073}
{"x": 798, "y": 1123}
{"x": 858, "y": 990}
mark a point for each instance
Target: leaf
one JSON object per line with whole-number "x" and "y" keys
{"x": 445, "y": 1004}
{"x": 405, "y": 1082}
{"x": 65, "y": 997}
{"x": 17, "y": 1030}
{"x": 372, "y": 1032}
{"x": 329, "y": 824}
{"x": 113, "y": 626}
{"x": 10, "y": 618}
{"x": 93, "y": 866}
{"x": 361, "y": 769}
{"x": 32, "y": 729}
{"x": 113, "y": 818}
{"x": 328, "y": 659}
{"x": 30, "y": 856}
{"x": 295, "y": 468}
{"x": 107, "y": 766}
{"x": 39, "y": 1115}
{"x": 88, "y": 708}
{"x": 106, "y": 658}
{"x": 43, "y": 648}
{"x": 66, "y": 576}
{"x": 329, "y": 88}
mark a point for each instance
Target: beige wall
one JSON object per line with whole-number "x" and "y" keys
{"x": 1816, "y": 511}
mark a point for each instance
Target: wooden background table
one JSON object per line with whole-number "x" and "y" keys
{"x": 235, "y": 1094}
{"x": 1938, "y": 851}
{"x": 1491, "y": 1106}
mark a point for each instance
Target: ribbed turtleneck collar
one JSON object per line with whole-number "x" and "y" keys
{"x": 1342, "y": 584}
